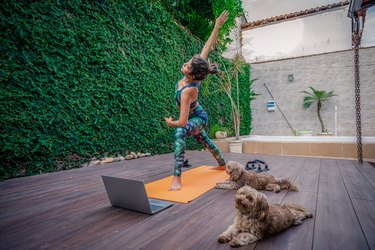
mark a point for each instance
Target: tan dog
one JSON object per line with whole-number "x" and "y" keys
{"x": 257, "y": 219}
{"x": 239, "y": 177}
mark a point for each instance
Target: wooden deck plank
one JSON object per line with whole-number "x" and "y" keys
{"x": 365, "y": 212}
{"x": 308, "y": 178}
{"x": 367, "y": 170}
{"x": 336, "y": 224}
{"x": 357, "y": 185}
{"x": 70, "y": 209}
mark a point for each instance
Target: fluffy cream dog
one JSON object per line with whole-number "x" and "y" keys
{"x": 257, "y": 219}
{"x": 239, "y": 177}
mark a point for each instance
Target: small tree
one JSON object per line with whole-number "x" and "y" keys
{"x": 318, "y": 97}
{"x": 225, "y": 80}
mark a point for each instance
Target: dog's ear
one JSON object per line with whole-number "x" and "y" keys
{"x": 263, "y": 216}
{"x": 229, "y": 165}
{"x": 262, "y": 207}
{"x": 236, "y": 170}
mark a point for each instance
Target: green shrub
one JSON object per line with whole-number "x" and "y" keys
{"x": 81, "y": 79}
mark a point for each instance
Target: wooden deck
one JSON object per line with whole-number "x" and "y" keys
{"x": 70, "y": 209}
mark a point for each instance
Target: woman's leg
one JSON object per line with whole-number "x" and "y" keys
{"x": 194, "y": 126}
{"x": 179, "y": 149}
{"x": 203, "y": 138}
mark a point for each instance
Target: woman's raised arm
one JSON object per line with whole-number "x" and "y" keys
{"x": 212, "y": 39}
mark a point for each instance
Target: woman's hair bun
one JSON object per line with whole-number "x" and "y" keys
{"x": 212, "y": 69}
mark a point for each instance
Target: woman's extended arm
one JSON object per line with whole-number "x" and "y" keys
{"x": 212, "y": 39}
{"x": 184, "y": 111}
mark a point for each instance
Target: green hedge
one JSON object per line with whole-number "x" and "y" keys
{"x": 81, "y": 79}
{"x": 199, "y": 16}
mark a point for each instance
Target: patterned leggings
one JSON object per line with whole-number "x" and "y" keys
{"x": 197, "y": 122}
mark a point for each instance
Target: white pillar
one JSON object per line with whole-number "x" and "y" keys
{"x": 335, "y": 120}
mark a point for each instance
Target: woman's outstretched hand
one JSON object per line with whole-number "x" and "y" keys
{"x": 168, "y": 121}
{"x": 222, "y": 19}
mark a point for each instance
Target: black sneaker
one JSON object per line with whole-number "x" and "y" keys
{"x": 186, "y": 164}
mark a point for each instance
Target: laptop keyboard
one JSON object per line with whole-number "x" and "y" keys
{"x": 155, "y": 207}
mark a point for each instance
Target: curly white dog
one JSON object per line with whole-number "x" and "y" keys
{"x": 257, "y": 219}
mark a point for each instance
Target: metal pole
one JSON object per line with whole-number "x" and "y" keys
{"x": 294, "y": 132}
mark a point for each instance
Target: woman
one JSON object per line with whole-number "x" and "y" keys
{"x": 193, "y": 119}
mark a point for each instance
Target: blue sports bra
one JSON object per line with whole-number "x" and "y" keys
{"x": 178, "y": 92}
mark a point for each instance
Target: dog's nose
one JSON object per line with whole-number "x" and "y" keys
{"x": 239, "y": 199}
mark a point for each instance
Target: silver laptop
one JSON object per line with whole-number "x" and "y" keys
{"x": 131, "y": 194}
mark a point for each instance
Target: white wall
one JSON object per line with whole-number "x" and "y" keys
{"x": 325, "y": 32}
{"x": 327, "y": 71}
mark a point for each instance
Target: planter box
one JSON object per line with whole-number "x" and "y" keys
{"x": 342, "y": 147}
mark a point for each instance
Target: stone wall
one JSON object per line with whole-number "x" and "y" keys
{"x": 325, "y": 72}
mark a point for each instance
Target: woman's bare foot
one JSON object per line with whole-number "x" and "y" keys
{"x": 219, "y": 168}
{"x": 176, "y": 184}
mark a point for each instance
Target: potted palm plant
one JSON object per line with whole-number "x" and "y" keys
{"x": 318, "y": 97}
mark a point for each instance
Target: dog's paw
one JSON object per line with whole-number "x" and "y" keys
{"x": 297, "y": 222}
{"x": 222, "y": 239}
{"x": 235, "y": 243}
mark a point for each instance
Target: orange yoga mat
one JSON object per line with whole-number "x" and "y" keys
{"x": 195, "y": 182}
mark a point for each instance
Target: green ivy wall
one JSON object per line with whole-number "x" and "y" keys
{"x": 81, "y": 79}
